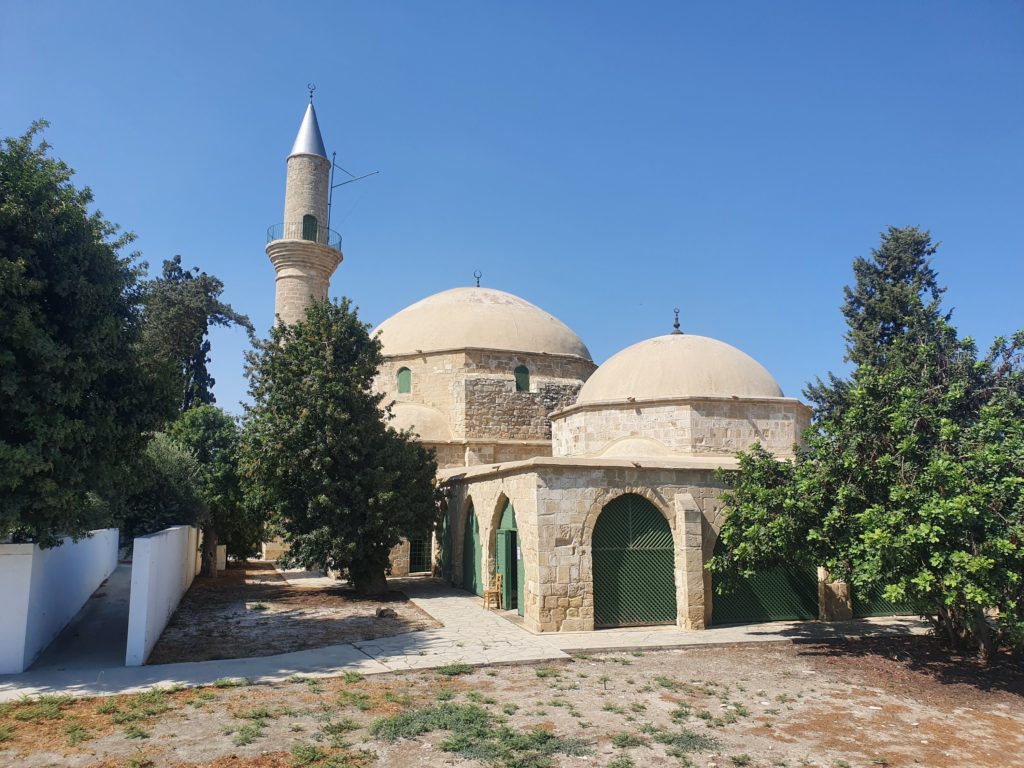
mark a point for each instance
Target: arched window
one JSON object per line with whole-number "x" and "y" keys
{"x": 522, "y": 379}
{"x": 404, "y": 381}
{"x": 309, "y": 227}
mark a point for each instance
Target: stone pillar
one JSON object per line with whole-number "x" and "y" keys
{"x": 835, "y": 602}
{"x": 689, "y": 563}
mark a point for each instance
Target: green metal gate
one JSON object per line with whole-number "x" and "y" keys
{"x": 781, "y": 594}
{"x": 509, "y": 560}
{"x": 872, "y": 603}
{"x": 471, "y": 553}
{"x": 634, "y": 565}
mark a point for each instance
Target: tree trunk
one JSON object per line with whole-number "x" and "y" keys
{"x": 370, "y": 581}
{"x": 209, "y": 559}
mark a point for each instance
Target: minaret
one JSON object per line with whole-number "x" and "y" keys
{"x": 303, "y": 250}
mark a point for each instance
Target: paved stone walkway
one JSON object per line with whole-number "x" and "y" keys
{"x": 470, "y": 635}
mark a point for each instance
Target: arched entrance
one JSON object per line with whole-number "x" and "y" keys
{"x": 471, "y": 575}
{"x": 509, "y": 561}
{"x": 634, "y": 565}
{"x": 779, "y": 594}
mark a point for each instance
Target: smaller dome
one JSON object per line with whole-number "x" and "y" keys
{"x": 678, "y": 365}
{"x": 429, "y": 423}
{"x": 482, "y": 318}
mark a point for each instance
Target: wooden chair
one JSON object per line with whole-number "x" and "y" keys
{"x": 493, "y": 595}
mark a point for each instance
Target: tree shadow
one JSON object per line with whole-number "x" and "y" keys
{"x": 924, "y": 655}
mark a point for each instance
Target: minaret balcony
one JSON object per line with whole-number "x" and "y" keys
{"x": 305, "y": 230}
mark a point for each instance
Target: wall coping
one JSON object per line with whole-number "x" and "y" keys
{"x": 603, "y": 405}
{"x": 427, "y": 352}
{"x": 479, "y": 472}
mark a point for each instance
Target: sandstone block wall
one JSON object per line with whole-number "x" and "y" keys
{"x": 694, "y": 426}
{"x": 556, "y": 509}
{"x": 306, "y": 189}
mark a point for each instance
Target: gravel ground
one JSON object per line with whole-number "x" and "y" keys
{"x": 885, "y": 702}
{"x": 249, "y": 610}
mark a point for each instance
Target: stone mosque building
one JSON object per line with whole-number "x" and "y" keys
{"x": 580, "y": 496}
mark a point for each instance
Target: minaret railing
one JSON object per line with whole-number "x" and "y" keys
{"x": 299, "y": 230}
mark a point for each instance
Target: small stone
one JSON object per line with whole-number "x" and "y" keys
{"x": 387, "y": 613}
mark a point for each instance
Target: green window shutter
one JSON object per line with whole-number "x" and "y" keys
{"x": 522, "y": 374}
{"x": 309, "y": 227}
{"x": 404, "y": 381}
{"x": 633, "y": 565}
{"x": 419, "y": 554}
{"x": 509, "y": 560}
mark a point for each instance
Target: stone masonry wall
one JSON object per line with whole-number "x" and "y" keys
{"x": 715, "y": 427}
{"x": 556, "y": 509}
{"x": 475, "y": 390}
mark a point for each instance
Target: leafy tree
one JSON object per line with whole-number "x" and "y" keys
{"x": 164, "y": 490}
{"x": 212, "y": 437}
{"x": 180, "y": 307}
{"x": 74, "y": 400}
{"x": 343, "y": 487}
{"x": 911, "y": 479}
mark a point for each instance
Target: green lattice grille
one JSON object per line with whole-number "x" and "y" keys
{"x": 419, "y": 554}
{"x": 471, "y": 572}
{"x": 872, "y": 603}
{"x": 633, "y": 560}
{"x": 781, "y": 594}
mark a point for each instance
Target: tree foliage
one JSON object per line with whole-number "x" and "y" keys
{"x": 163, "y": 490}
{"x": 911, "y": 479}
{"x": 212, "y": 438}
{"x": 180, "y": 307}
{"x": 74, "y": 400}
{"x": 343, "y": 487}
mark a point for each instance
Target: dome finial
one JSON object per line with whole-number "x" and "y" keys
{"x": 477, "y": 274}
{"x": 311, "y": 87}
{"x": 675, "y": 325}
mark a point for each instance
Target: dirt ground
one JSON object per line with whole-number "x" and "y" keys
{"x": 249, "y": 610}
{"x": 892, "y": 702}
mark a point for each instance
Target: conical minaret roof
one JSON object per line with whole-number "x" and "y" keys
{"x": 309, "y": 141}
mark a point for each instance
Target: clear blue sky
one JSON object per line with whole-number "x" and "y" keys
{"x": 606, "y": 161}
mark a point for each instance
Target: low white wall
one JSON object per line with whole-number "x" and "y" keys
{"x": 163, "y": 567}
{"x": 43, "y": 589}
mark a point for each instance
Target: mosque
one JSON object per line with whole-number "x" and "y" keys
{"x": 580, "y": 496}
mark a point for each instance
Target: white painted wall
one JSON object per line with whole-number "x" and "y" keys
{"x": 163, "y": 567}
{"x": 43, "y": 589}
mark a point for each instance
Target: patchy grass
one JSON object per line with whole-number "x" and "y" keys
{"x": 47, "y": 707}
{"x": 230, "y": 682}
{"x": 625, "y": 740}
{"x": 454, "y": 670}
{"x": 353, "y": 677}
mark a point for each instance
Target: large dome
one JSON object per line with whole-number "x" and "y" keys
{"x": 678, "y": 365}
{"x": 480, "y": 318}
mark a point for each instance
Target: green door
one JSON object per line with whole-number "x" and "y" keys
{"x": 471, "y": 576}
{"x": 634, "y": 565}
{"x": 509, "y": 560}
{"x": 781, "y": 594}
{"x": 445, "y": 557}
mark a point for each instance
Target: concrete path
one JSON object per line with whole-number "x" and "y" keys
{"x": 470, "y": 635}
{"x": 97, "y": 636}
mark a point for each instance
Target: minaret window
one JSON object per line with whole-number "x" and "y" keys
{"x": 522, "y": 374}
{"x": 309, "y": 227}
{"x": 404, "y": 381}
